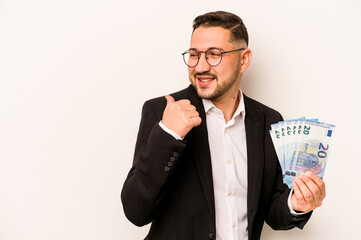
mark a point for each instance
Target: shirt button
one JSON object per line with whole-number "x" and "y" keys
{"x": 234, "y": 224}
{"x": 230, "y": 193}
{"x": 229, "y": 160}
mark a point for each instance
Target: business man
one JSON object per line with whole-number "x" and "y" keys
{"x": 204, "y": 164}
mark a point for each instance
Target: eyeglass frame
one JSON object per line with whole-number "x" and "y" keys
{"x": 205, "y": 55}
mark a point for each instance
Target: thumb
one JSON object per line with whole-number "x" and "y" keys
{"x": 169, "y": 98}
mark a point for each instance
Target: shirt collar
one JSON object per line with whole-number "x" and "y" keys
{"x": 208, "y": 105}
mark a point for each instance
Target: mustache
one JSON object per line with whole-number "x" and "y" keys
{"x": 205, "y": 74}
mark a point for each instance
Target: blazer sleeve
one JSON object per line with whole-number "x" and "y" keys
{"x": 279, "y": 216}
{"x": 156, "y": 153}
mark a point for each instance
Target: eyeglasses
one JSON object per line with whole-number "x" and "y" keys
{"x": 213, "y": 56}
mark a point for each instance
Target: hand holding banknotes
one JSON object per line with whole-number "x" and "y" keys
{"x": 308, "y": 192}
{"x": 303, "y": 147}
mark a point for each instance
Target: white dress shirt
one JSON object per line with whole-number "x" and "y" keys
{"x": 227, "y": 143}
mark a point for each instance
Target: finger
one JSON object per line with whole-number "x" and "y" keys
{"x": 314, "y": 189}
{"x": 196, "y": 121}
{"x": 311, "y": 185}
{"x": 298, "y": 194}
{"x": 319, "y": 191}
{"x": 190, "y": 108}
{"x": 191, "y": 114}
{"x": 184, "y": 102}
{"x": 318, "y": 181}
{"x": 307, "y": 194}
{"x": 169, "y": 98}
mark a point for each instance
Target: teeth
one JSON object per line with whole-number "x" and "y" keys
{"x": 206, "y": 80}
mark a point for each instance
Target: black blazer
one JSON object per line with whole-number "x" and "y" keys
{"x": 170, "y": 183}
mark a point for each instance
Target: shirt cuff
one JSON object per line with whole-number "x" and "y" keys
{"x": 175, "y": 135}
{"x": 293, "y": 212}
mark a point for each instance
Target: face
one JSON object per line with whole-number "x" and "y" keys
{"x": 213, "y": 82}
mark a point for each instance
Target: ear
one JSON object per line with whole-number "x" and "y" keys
{"x": 246, "y": 57}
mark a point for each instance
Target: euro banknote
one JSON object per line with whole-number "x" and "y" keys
{"x": 302, "y": 145}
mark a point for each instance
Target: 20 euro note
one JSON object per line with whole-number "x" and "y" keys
{"x": 284, "y": 137}
{"x": 307, "y": 148}
{"x": 281, "y": 141}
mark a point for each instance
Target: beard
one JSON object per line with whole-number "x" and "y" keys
{"x": 221, "y": 88}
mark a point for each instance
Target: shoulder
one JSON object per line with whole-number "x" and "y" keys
{"x": 253, "y": 107}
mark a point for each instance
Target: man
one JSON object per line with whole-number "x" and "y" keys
{"x": 204, "y": 164}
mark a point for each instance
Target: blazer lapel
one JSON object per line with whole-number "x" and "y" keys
{"x": 198, "y": 141}
{"x": 254, "y": 124}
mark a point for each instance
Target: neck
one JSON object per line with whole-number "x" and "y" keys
{"x": 228, "y": 104}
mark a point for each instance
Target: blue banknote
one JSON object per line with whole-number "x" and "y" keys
{"x": 302, "y": 145}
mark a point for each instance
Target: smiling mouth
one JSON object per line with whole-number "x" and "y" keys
{"x": 205, "y": 79}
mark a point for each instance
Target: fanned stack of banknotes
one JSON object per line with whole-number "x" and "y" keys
{"x": 302, "y": 145}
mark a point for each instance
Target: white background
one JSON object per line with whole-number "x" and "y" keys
{"x": 75, "y": 73}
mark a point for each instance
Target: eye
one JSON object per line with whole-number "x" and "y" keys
{"x": 193, "y": 54}
{"x": 214, "y": 53}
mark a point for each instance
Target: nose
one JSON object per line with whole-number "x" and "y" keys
{"x": 202, "y": 65}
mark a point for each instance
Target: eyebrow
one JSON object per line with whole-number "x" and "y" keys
{"x": 195, "y": 49}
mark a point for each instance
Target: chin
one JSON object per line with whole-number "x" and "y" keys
{"x": 209, "y": 95}
{"x": 205, "y": 92}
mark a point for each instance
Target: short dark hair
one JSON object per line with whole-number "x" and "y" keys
{"x": 226, "y": 20}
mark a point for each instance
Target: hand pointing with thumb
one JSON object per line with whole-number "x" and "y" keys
{"x": 180, "y": 116}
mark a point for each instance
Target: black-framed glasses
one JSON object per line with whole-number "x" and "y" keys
{"x": 213, "y": 56}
